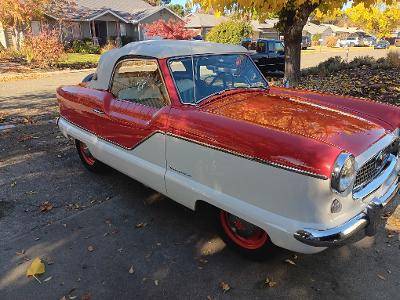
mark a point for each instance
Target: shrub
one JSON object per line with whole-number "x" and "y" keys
{"x": 230, "y": 32}
{"x": 327, "y": 67}
{"x": 362, "y": 61}
{"x": 43, "y": 50}
{"x": 110, "y": 45}
{"x": 393, "y": 58}
{"x": 10, "y": 54}
{"x": 85, "y": 46}
{"x": 331, "y": 41}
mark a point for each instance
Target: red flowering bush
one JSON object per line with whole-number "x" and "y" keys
{"x": 43, "y": 50}
{"x": 173, "y": 30}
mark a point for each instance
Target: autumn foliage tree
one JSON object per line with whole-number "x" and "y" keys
{"x": 293, "y": 15}
{"x": 17, "y": 14}
{"x": 380, "y": 20}
{"x": 172, "y": 30}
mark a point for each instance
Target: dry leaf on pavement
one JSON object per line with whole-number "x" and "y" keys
{"x": 224, "y": 286}
{"x": 289, "y": 261}
{"x": 90, "y": 248}
{"x": 46, "y": 206}
{"x": 36, "y": 268}
{"x": 269, "y": 282}
{"x": 381, "y": 276}
{"x": 140, "y": 225}
{"x": 131, "y": 270}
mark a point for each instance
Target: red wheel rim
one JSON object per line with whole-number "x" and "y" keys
{"x": 87, "y": 156}
{"x": 242, "y": 233}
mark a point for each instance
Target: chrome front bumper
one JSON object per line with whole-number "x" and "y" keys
{"x": 367, "y": 219}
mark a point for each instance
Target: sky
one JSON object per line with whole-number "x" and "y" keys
{"x": 181, "y": 2}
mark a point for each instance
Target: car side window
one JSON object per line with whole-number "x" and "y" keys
{"x": 139, "y": 81}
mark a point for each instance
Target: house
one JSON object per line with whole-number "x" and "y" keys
{"x": 265, "y": 30}
{"x": 343, "y": 32}
{"x": 104, "y": 20}
{"x": 203, "y": 23}
{"x": 319, "y": 32}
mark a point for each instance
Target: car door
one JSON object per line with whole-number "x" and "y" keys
{"x": 134, "y": 119}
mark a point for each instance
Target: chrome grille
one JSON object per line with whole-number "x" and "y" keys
{"x": 371, "y": 168}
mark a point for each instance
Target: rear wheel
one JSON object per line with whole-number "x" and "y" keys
{"x": 88, "y": 160}
{"x": 244, "y": 237}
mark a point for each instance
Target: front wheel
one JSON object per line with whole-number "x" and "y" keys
{"x": 88, "y": 160}
{"x": 244, "y": 237}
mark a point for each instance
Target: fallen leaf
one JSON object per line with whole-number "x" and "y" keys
{"x": 224, "y": 286}
{"x": 36, "y": 268}
{"x": 86, "y": 296}
{"x": 131, "y": 270}
{"x": 90, "y": 248}
{"x": 381, "y": 276}
{"x": 269, "y": 282}
{"x": 289, "y": 261}
{"x": 72, "y": 297}
{"x": 22, "y": 252}
{"x": 156, "y": 282}
{"x": 140, "y": 225}
{"x": 63, "y": 298}
{"x": 14, "y": 183}
{"x": 46, "y": 206}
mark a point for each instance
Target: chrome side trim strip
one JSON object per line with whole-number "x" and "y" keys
{"x": 259, "y": 160}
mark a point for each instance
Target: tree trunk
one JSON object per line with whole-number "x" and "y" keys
{"x": 292, "y": 19}
{"x": 292, "y": 57}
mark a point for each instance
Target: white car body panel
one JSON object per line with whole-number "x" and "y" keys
{"x": 259, "y": 193}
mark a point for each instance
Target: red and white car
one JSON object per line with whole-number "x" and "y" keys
{"x": 198, "y": 122}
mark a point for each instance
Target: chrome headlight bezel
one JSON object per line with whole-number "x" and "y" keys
{"x": 340, "y": 181}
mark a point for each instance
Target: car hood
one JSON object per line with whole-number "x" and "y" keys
{"x": 298, "y": 117}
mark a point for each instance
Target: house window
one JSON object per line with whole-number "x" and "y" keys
{"x": 139, "y": 81}
{"x": 122, "y": 28}
{"x": 35, "y": 26}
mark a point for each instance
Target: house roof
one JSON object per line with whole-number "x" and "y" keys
{"x": 260, "y": 26}
{"x": 342, "y": 29}
{"x": 128, "y": 11}
{"x": 157, "y": 49}
{"x": 315, "y": 29}
{"x": 198, "y": 20}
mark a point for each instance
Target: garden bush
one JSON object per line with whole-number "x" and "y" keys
{"x": 331, "y": 41}
{"x": 109, "y": 46}
{"x": 43, "y": 50}
{"x": 393, "y": 58}
{"x": 85, "y": 46}
{"x": 12, "y": 55}
{"x": 230, "y": 32}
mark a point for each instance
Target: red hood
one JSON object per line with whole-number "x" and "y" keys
{"x": 298, "y": 117}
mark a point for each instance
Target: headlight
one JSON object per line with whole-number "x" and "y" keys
{"x": 344, "y": 172}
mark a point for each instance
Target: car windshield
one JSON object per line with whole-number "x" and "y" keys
{"x": 199, "y": 77}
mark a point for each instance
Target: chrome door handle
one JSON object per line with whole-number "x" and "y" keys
{"x": 98, "y": 111}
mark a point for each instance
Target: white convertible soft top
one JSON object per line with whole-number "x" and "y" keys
{"x": 156, "y": 49}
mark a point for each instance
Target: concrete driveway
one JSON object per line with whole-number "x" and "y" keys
{"x": 109, "y": 237}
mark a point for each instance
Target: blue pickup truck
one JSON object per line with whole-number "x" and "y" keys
{"x": 268, "y": 55}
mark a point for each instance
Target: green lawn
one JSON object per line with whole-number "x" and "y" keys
{"x": 79, "y": 59}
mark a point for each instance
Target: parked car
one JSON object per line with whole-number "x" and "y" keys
{"x": 382, "y": 44}
{"x": 397, "y": 40}
{"x": 198, "y": 123}
{"x": 305, "y": 42}
{"x": 369, "y": 40}
{"x": 352, "y": 41}
{"x": 269, "y": 56}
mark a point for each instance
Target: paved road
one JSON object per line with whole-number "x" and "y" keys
{"x": 175, "y": 254}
